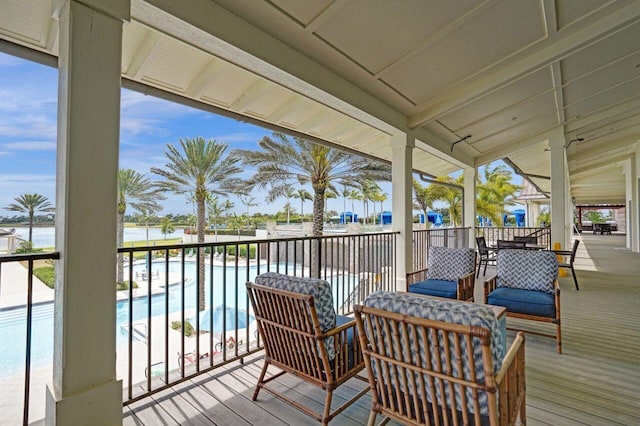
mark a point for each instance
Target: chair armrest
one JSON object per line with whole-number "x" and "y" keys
{"x": 489, "y": 286}
{"x": 516, "y": 349}
{"x": 562, "y": 252}
{"x": 511, "y": 383}
{"x": 416, "y": 276}
{"x": 466, "y": 286}
{"x": 339, "y": 329}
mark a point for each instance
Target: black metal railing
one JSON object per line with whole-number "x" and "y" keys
{"x": 176, "y": 282}
{"x": 163, "y": 337}
{"x": 440, "y": 237}
{"x": 17, "y": 312}
{"x": 492, "y": 234}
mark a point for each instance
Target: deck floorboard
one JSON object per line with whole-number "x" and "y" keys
{"x": 596, "y": 381}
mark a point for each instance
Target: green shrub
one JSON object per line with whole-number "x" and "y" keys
{"x": 46, "y": 274}
{"x": 124, "y": 285}
{"x": 27, "y": 247}
{"x": 188, "y": 328}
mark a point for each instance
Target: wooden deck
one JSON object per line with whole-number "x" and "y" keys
{"x": 596, "y": 381}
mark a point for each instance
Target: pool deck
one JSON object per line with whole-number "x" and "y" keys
{"x": 13, "y": 287}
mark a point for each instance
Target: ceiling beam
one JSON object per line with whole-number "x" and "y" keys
{"x": 602, "y": 163}
{"x": 206, "y": 76}
{"x": 556, "y": 47}
{"x": 506, "y": 149}
{"x": 575, "y": 125}
{"x": 628, "y": 136}
{"x": 255, "y": 90}
{"x": 145, "y": 53}
{"x": 291, "y": 104}
{"x": 211, "y": 28}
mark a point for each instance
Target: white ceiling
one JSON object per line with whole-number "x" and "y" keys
{"x": 353, "y": 72}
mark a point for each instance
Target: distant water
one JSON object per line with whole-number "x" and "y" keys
{"x": 45, "y": 236}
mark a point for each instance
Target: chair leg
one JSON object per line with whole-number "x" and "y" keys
{"x": 486, "y": 263}
{"x": 479, "y": 266}
{"x": 327, "y": 408}
{"x": 372, "y": 418}
{"x": 575, "y": 279}
{"x": 260, "y": 380}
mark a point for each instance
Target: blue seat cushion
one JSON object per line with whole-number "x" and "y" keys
{"x": 341, "y": 320}
{"x": 521, "y": 301}
{"x": 440, "y": 288}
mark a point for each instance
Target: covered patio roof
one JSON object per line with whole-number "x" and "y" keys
{"x": 504, "y": 73}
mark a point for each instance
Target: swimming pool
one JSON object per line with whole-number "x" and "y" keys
{"x": 13, "y": 327}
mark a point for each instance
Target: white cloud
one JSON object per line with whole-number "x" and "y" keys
{"x": 245, "y": 137}
{"x": 31, "y": 146}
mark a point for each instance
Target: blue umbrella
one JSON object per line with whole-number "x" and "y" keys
{"x": 220, "y": 315}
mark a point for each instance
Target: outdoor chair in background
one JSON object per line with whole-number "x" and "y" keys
{"x": 526, "y": 284}
{"x": 454, "y": 370}
{"x": 302, "y": 335}
{"x": 571, "y": 255}
{"x": 485, "y": 255}
{"x": 449, "y": 274}
{"x": 527, "y": 239}
{"x": 511, "y": 244}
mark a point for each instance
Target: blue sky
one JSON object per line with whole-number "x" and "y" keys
{"x": 28, "y": 108}
{"x": 28, "y": 102}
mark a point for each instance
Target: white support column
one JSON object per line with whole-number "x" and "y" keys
{"x": 634, "y": 202}
{"x": 628, "y": 201}
{"x": 533, "y": 211}
{"x": 402, "y": 201}
{"x": 560, "y": 199}
{"x": 469, "y": 219}
{"x": 84, "y": 389}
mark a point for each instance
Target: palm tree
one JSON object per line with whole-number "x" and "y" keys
{"x": 248, "y": 201}
{"x": 284, "y": 161}
{"x": 452, "y": 196}
{"x": 201, "y": 168}
{"x": 345, "y": 193}
{"x": 288, "y": 194}
{"x": 303, "y": 195}
{"x": 424, "y": 197}
{"x": 354, "y": 196}
{"x": 146, "y": 216}
{"x": 369, "y": 190}
{"x": 166, "y": 226}
{"x": 216, "y": 209}
{"x": 496, "y": 191}
{"x": 140, "y": 193}
{"x": 328, "y": 194}
{"x": 30, "y": 204}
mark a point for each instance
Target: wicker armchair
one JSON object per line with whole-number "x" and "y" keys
{"x": 303, "y": 336}
{"x": 526, "y": 284}
{"x": 449, "y": 274}
{"x": 453, "y": 370}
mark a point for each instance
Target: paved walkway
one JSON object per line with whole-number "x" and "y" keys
{"x": 13, "y": 287}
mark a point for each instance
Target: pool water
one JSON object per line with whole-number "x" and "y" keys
{"x": 13, "y": 325}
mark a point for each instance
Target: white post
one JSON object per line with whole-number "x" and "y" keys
{"x": 628, "y": 198}
{"x": 560, "y": 198}
{"x": 633, "y": 227}
{"x": 84, "y": 389}
{"x": 469, "y": 219}
{"x": 401, "y": 188}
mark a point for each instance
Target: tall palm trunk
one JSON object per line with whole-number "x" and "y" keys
{"x": 318, "y": 226}
{"x": 31, "y": 227}
{"x": 120, "y": 239}
{"x": 201, "y": 225}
